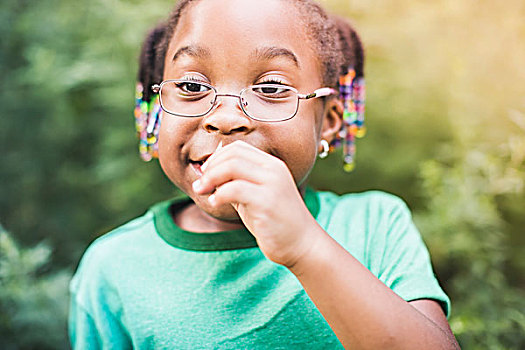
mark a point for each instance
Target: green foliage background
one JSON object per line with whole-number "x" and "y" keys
{"x": 446, "y": 120}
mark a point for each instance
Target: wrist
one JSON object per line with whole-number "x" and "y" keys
{"x": 313, "y": 253}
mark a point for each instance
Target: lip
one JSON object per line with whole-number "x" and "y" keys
{"x": 196, "y": 168}
{"x": 197, "y": 162}
{"x": 200, "y": 159}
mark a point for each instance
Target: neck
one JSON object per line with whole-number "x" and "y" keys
{"x": 192, "y": 218}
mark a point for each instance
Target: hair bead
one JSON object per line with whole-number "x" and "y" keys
{"x": 352, "y": 95}
{"x": 147, "y": 123}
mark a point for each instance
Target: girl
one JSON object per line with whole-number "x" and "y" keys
{"x": 251, "y": 257}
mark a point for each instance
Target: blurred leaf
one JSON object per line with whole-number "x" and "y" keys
{"x": 30, "y": 299}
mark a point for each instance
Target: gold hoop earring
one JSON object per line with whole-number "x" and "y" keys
{"x": 326, "y": 149}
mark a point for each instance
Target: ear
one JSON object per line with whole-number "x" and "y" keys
{"x": 333, "y": 119}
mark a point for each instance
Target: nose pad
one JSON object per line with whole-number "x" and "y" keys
{"x": 226, "y": 120}
{"x": 243, "y": 103}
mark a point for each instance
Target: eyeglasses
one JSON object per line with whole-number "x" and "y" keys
{"x": 262, "y": 102}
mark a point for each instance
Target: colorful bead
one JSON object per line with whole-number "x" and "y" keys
{"x": 361, "y": 132}
{"x": 349, "y": 167}
{"x": 147, "y": 121}
{"x": 352, "y": 95}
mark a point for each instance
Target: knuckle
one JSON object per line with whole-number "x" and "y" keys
{"x": 220, "y": 195}
{"x": 278, "y": 162}
{"x": 236, "y": 163}
{"x": 225, "y": 190}
{"x": 237, "y": 144}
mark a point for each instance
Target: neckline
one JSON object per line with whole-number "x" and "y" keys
{"x": 172, "y": 234}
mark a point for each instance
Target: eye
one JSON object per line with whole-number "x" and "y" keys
{"x": 191, "y": 87}
{"x": 270, "y": 90}
{"x": 273, "y": 91}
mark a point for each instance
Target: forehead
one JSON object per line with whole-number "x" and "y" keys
{"x": 240, "y": 27}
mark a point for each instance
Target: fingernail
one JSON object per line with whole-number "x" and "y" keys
{"x": 205, "y": 165}
{"x": 197, "y": 185}
{"x": 212, "y": 200}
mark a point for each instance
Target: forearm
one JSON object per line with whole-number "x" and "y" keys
{"x": 361, "y": 310}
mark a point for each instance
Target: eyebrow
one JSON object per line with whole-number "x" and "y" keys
{"x": 271, "y": 52}
{"x": 261, "y": 53}
{"x": 193, "y": 51}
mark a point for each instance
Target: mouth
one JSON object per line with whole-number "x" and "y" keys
{"x": 197, "y": 164}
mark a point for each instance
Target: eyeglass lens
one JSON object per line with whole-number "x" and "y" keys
{"x": 266, "y": 102}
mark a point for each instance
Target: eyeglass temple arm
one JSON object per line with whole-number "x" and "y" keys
{"x": 318, "y": 93}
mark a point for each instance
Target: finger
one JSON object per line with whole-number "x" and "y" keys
{"x": 228, "y": 170}
{"x": 219, "y": 146}
{"x": 233, "y": 192}
{"x": 236, "y": 149}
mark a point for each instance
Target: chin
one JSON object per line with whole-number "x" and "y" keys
{"x": 224, "y": 212}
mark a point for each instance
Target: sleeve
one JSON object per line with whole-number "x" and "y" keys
{"x": 82, "y": 330}
{"x": 405, "y": 262}
{"x": 95, "y": 313}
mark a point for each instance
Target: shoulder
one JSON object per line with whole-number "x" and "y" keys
{"x": 124, "y": 235}
{"x": 366, "y": 222}
{"x": 366, "y": 197}
{"x": 369, "y": 205}
{"x": 377, "y": 229}
{"x": 113, "y": 250}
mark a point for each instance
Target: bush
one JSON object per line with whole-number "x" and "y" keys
{"x": 33, "y": 301}
{"x": 468, "y": 226}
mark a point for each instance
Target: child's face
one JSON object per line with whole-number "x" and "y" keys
{"x": 220, "y": 41}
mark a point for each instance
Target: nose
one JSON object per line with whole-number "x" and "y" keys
{"x": 227, "y": 117}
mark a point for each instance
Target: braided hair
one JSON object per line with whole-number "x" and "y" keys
{"x": 351, "y": 91}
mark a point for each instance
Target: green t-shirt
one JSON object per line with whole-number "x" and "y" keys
{"x": 150, "y": 284}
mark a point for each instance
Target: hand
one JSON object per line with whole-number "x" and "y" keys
{"x": 263, "y": 192}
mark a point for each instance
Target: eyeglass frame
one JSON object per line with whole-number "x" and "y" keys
{"x": 321, "y": 92}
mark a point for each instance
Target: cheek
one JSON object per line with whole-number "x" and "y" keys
{"x": 298, "y": 148}
{"x": 167, "y": 139}
{"x": 306, "y": 136}
{"x": 167, "y": 146}
{"x": 171, "y": 141}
